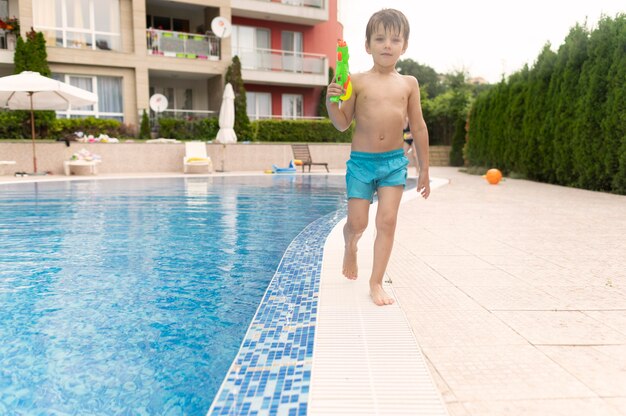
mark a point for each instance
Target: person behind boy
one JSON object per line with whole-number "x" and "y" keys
{"x": 381, "y": 101}
{"x": 409, "y": 148}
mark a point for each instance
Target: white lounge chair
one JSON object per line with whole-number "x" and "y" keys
{"x": 196, "y": 159}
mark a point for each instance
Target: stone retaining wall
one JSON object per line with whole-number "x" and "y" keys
{"x": 159, "y": 157}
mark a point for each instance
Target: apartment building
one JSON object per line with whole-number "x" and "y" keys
{"x": 128, "y": 50}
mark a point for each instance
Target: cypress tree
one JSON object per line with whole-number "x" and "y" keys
{"x": 322, "y": 111}
{"x": 242, "y": 126}
{"x": 31, "y": 55}
{"x": 613, "y": 126}
{"x": 144, "y": 129}
{"x": 536, "y": 152}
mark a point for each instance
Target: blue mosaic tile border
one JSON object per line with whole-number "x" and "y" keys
{"x": 272, "y": 371}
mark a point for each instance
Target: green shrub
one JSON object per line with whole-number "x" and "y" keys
{"x": 314, "y": 131}
{"x": 458, "y": 141}
{"x": 201, "y": 129}
{"x": 11, "y": 125}
{"x": 144, "y": 128}
{"x": 67, "y": 127}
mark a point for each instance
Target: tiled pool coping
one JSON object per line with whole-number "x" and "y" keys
{"x": 271, "y": 372}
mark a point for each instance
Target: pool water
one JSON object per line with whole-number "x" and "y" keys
{"x": 133, "y": 296}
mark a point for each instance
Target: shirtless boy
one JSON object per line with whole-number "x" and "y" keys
{"x": 380, "y": 103}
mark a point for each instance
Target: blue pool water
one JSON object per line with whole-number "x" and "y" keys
{"x": 133, "y": 296}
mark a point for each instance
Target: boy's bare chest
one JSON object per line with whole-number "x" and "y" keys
{"x": 383, "y": 92}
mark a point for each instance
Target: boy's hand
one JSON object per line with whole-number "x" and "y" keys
{"x": 334, "y": 90}
{"x": 423, "y": 185}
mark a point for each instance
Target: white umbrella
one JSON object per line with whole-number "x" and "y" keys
{"x": 32, "y": 91}
{"x": 226, "y": 133}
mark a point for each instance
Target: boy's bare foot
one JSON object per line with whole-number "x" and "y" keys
{"x": 350, "y": 268}
{"x": 379, "y": 296}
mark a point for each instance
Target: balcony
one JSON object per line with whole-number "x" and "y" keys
{"x": 183, "y": 45}
{"x": 300, "y": 12}
{"x": 279, "y": 67}
{"x": 7, "y": 47}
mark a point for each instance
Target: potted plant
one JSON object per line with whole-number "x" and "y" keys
{"x": 11, "y": 26}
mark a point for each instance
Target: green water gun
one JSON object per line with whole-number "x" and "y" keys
{"x": 342, "y": 71}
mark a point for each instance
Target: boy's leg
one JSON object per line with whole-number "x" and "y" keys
{"x": 358, "y": 212}
{"x": 389, "y": 198}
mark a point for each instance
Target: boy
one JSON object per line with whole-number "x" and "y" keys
{"x": 381, "y": 101}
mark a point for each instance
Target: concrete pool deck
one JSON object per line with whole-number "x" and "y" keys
{"x": 515, "y": 294}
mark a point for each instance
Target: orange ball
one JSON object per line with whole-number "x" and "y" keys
{"x": 297, "y": 162}
{"x": 493, "y": 176}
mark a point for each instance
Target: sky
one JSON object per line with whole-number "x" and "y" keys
{"x": 484, "y": 38}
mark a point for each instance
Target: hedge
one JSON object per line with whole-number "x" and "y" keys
{"x": 313, "y": 131}
{"x": 562, "y": 121}
{"x": 200, "y": 129}
{"x": 12, "y": 126}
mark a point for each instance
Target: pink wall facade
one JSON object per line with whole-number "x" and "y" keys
{"x": 318, "y": 39}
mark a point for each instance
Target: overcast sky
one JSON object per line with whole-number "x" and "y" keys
{"x": 485, "y": 38}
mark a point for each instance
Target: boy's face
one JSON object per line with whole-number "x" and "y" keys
{"x": 386, "y": 46}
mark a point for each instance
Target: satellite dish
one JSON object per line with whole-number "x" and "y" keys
{"x": 158, "y": 103}
{"x": 221, "y": 27}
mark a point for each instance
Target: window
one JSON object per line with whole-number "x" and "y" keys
{"x": 292, "y": 106}
{"x": 4, "y": 9}
{"x": 259, "y": 105}
{"x": 109, "y": 90}
{"x": 292, "y": 45}
{"x": 292, "y": 42}
{"x": 177, "y": 98}
{"x": 252, "y": 45}
{"x": 88, "y": 24}
{"x": 167, "y": 23}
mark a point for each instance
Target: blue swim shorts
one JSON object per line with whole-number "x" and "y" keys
{"x": 366, "y": 172}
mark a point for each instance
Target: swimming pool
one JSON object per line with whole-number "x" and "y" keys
{"x": 133, "y": 296}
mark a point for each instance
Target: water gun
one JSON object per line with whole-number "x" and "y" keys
{"x": 342, "y": 76}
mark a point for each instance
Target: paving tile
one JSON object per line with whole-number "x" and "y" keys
{"x": 517, "y": 298}
{"x": 477, "y": 373}
{"x": 493, "y": 278}
{"x": 453, "y": 327}
{"x": 600, "y": 297}
{"x": 555, "y": 277}
{"x": 405, "y": 269}
{"x": 560, "y": 328}
{"x": 434, "y": 298}
{"x": 615, "y": 319}
{"x": 618, "y": 403}
{"x": 525, "y": 261}
{"x": 457, "y": 409}
{"x": 447, "y": 262}
{"x": 552, "y": 407}
{"x": 601, "y": 368}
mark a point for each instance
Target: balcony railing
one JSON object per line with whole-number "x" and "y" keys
{"x": 279, "y": 60}
{"x": 7, "y": 40}
{"x": 183, "y": 45}
{"x": 302, "y": 3}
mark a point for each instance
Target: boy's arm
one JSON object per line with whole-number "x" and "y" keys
{"x": 420, "y": 136}
{"x": 340, "y": 114}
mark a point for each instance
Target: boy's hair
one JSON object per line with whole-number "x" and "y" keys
{"x": 391, "y": 19}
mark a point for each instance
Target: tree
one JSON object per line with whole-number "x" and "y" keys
{"x": 31, "y": 55}
{"x": 427, "y": 77}
{"x": 144, "y": 129}
{"x": 322, "y": 111}
{"x": 242, "y": 122}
